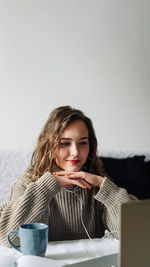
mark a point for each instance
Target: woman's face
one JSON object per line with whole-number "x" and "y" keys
{"x": 73, "y": 149}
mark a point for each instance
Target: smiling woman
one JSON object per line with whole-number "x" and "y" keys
{"x": 72, "y": 154}
{"x": 65, "y": 157}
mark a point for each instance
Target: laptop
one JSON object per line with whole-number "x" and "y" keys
{"x": 135, "y": 234}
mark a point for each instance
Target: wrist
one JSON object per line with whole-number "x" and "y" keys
{"x": 102, "y": 179}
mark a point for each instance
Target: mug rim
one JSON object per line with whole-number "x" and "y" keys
{"x": 23, "y": 226}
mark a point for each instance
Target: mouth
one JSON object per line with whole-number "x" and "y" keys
{"x": 74, "y": 162}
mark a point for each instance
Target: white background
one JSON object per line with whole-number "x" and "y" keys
{"x": 90, "y": 54}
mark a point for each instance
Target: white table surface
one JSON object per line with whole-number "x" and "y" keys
{"x": 73, "y": 251}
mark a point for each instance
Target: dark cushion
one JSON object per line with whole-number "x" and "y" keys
{"x": 132, "y": 173}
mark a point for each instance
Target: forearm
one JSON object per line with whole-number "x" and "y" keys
{"x": 29, "y": 207}
{"x": 112, "y": 197}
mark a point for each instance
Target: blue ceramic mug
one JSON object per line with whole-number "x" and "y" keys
{"x": 33, "y": 238}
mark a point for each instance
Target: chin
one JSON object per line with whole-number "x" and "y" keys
{"x": 73, "y": 169}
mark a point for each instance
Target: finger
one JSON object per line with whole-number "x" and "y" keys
{"x": 79, "y": 183}
{"x": 77, "y": 175}
{"x": 59, "y": 173}
{"x": 83, "y": 177}
{"x": 75, "y": 182}
{"x": 88, "y": 186}
{"x": 63, "y": 173}
{"x": 83, "y": 184}
{"x": 66, "y": 182}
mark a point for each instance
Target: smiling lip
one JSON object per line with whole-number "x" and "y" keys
{"x": 74, "y": 162}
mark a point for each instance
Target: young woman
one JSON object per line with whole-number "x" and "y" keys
{"x": 65, "y": 186}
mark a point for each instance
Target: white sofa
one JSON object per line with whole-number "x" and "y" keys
{"x": 12, "y": 164}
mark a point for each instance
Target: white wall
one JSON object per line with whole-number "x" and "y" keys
{"x": 91, "y": 54}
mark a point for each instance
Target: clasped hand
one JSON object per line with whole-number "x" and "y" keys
{"x": 83, "y": 179}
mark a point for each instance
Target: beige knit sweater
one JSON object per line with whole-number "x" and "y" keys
{"x": 44, "y": 201}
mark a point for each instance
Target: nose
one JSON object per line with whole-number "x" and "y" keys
{"x": 74, "y": 150}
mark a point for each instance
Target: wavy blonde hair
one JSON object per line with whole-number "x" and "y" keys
{"x": 43, "y": 157}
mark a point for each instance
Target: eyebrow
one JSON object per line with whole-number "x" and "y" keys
{"x": 82, "y": 138}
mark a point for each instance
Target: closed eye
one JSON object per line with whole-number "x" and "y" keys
{"x": 83, "y": 143}
{"x": 65, "y": 144}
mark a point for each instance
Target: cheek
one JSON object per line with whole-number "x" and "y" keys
{"x": 57, "y": 156}
{"x": 60, "y": 155}
{"x": 85, "y": 153}
{"x": 87, "y": 150}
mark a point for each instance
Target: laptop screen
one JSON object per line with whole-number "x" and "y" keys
{"x": 135, "y": 234}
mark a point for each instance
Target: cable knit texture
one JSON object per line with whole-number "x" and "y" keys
{"x": 44, "y": 201}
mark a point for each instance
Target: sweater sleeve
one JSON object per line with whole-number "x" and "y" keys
{"x": 112, "y": 196}
{"x": 27, "y": 202}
